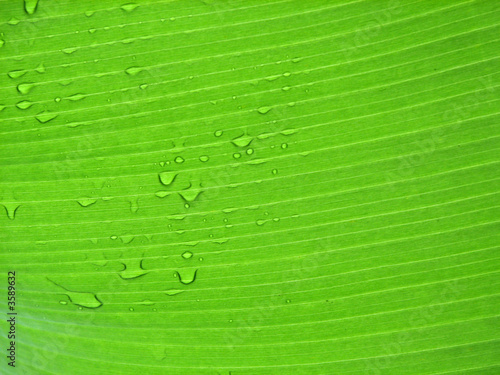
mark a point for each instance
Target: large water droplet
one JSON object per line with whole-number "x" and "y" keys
{"x": 25, "y": 104}
{"x": 16, "y": 73}
{"x": 242, "y": 141}
{"x": 25, "y": 88}
{"x": 10, "y": 209}
{"x": 81, "y": 299}
{"x": 167, "y": 177}
{"x": 45, "y": 116}
{"x": 187, "y": 276}
{"x": 132, "y": 270}
{"x": 30, "y": 6}
{"x": 13, "y": 21}
{"x": 190, "y": 194}
{"x": 179, "y": 160}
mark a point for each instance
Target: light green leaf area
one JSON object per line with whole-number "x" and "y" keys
{"x": 250, "y": 187}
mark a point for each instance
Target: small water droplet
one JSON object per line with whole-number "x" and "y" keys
{"x": 13, "y": 21}
{"x": 179, "y": 160}
{"x": 91, "y": 31}
{"x": 144, "y": 86}
{"x": 63, "y": 302}
{"x": 264, "y": 110}
{"x": 286, "y": 88}
{"x": 69, "y": 50}
{"x": 250, "y": 151}
{"x": 274, "y": 171}
{"x": 25, "y": 104}
{"x": 276, "y": 219}
{"x": 291, "y": 104}
{"x": 30, "y": 6}
{"x": 114, "y": 237}
{"x": 260, "y": 222}
{"x": 133, "y": 70}
{"x": 218, "y": 133}
{"x": 129, "y": 7}
{"x": 86, "y": 201}
{"x": 162, "y": 193}
{"x": 167, "y": 177}
{"x": 131, "y": 309}
{"x": 236, "y": 155}
{"x": 204, "y": 158}
{"x": 288, "y": 301}
{"x": 76, "y": 97}
{"x": 173, "y": 292}
{"x": 187, "y": 254}
{"x": 289, "y": 131}
{"x": 45, "y": 116}
{"x": 296, "y": 59}
{"x": 146, "y": 302}
{"x": 40, "y": 68}
{"x": 89, "y": 13}
{"x": 134, "y": 204}
{"x": 287, "y": 74}
{"x": 127, "y": 238}
{"x": 57, "y": 100}
{"x": 284, "y": 145}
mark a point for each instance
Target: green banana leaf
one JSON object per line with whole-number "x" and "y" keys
{"x": 249, "y": 187}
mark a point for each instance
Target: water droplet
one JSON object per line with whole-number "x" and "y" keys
{"x": 218, "y": 133}
{"x": 275, "y": 171}
{"x": 276, "y": 219}
{"x": 131, "y": 309}
{"x": 187, "y": 254}
{"x": 69, "y": 50}
{"x": 187, "y": 276}
{"x": 242, "y": 141}
{"x": 133, "y": 70}
{"x": 204, "y": 158}
{"x": 25, "y": 104}
{"x": 30, "y": 6}
{"x": 57, "y": 100}
{"x": 89, "y": 13}
{"x": 129, "y": 7}
{"x": 179, "y": 160}
{"x": 134, "y": 204}
{"x": 286, "y": 88}
{"x": 162, "y": 193}
{"x": 256, "y": 161}
{"x": 144, "y": 86}
{"x": 284, "y": 145}
{"x": 40, "y": 68}
{"x": 260, "y": 222}
{"x": 2, "y": 42}
{"x": 63, "y": 302}
{"x": 91, "y": 31}
{"x": 127, "y": 238}
{"x": 236, "y": 155}
{"x": 264, "y": 110}
{"x": 81, "y": 299}
{"x": 173, "y": 292}
{"x": 25, "y": 88}
{"x": 289, "y": 131}
{"x": 250, "y": 151}
{"x": 10, "y": 209}
{"x": 86, "y": 201}
{"x": 291, "y": 104}
{"x": 114, "y": 237}
{"x": 16, "y": 73}
{"x": 132, "y": 270}
{"x": 13, "y": 21}
{"x": 229, "y": 210}
{"x": 76, "y": 97}
{"x": 296, "y": 59}
{"x": 287, "y": 74}
{"x": 190, "y": 194}
{"x": 2, "y": 107}
{"x": 167, "y": 177}
{"x": 288, "y": 301}
{"x": 45, "y": 116}
{"x": 146, "y": 302}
